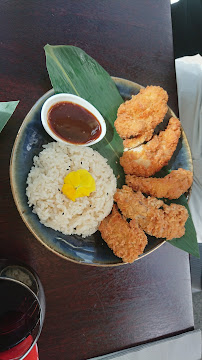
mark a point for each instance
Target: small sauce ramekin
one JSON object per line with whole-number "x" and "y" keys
{"x": 63, "y": 97}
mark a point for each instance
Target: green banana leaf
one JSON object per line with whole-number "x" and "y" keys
{"x": 188, "y": 242}
{"x": 6, "y": 110}
{"x": 72, "y": 70}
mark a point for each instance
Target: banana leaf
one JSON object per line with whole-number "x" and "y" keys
{"x": 188, "y": 241}
{"x": 6, "y": 110}
{"x": 71, "y": 70}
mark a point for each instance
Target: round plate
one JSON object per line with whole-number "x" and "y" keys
{"x": 30, "y": 138}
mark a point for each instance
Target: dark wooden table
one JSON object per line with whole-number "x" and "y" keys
{"x": 91, "y": 311}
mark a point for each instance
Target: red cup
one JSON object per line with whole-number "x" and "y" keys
{"x": 16, "y": 352}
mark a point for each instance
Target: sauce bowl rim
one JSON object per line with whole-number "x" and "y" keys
{"x": 66, "y": 97}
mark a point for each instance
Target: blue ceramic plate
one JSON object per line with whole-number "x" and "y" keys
{"x": 92, "y": 250}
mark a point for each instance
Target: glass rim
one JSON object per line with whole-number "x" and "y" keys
{"x": 40, "y": 319}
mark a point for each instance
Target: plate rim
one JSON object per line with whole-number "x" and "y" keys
{"x": 16, "y": 199}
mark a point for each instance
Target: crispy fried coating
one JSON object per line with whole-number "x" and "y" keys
{"x": 126, "y": 240}
{"x": 138, "y": 140}
{"x": 138, "y": 117}
{"x": 147, "y": 159}
{"x": 172, "y": 186}
{"x": 152, "y": 215}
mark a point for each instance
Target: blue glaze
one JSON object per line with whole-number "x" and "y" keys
{"x": 91, "y": 250}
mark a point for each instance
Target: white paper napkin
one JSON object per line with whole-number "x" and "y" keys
{"x": 181, "y": 347}
{"x": 189, "y": 86}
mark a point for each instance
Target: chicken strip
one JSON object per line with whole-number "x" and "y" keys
{"x": 152, "y": 215}
{"x": 147, "y": 159}
{"x": 172, "y": 186}
{"x": 138, "y": 140}
{"x": 138, "y": 117}
{"x": 126, "y": 240}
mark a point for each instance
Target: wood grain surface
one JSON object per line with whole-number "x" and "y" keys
{"x": 91, "y": 311}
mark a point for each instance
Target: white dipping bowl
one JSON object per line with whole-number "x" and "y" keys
{"x": 75, "y": 100}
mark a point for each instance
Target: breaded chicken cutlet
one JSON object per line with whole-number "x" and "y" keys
{"x": 149, "y": 158}
{"x": 172, "y": 186}
{"x": 138, "y": 117}
{"x": 152, "y": 215}
{"x": 126, "y": 240}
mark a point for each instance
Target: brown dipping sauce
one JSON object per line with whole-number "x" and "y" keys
{"x": 73, "y": 123}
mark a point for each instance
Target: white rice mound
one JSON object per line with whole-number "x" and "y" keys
{"x": 45, "y": 182}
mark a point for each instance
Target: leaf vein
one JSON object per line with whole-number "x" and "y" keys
{"x": 63, "y": 71}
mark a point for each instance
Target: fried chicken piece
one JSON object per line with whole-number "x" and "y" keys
{"x": 138, "y": 117}
{"x": 138, "y": 140}
{"x": 126, "y": 240}
{"x": 149, "y": 158}
{"x": 152, "y": 215}
{"x": 172, "y": 186}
